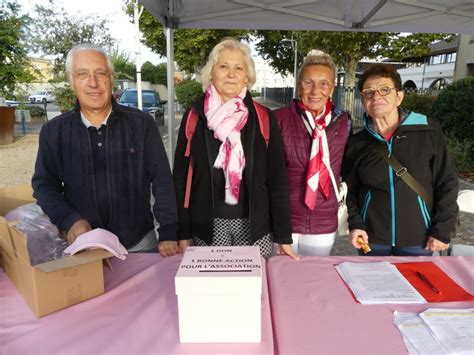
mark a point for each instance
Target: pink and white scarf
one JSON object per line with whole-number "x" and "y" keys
{"x": 227, "y": 119}
{"x": 317, "y": 173}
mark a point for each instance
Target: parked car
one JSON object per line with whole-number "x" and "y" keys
{"x": 151, "y": 103}
{"x": 41, "y": 97}
{"x": 117, "y": 94}
{"x": 12, "y": 103}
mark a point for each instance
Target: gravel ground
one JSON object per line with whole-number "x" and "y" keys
{"x": 17, "y": 160}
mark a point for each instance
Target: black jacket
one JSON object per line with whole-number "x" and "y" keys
{"x": 382, "y": 204}
{"x": 64, "y": 183}
{"x": 264, "y": 175}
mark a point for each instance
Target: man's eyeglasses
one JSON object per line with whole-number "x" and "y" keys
{"x": 382, "y": 90}
{"x": 99, "y": 75}
{"x": 322, "y": 85}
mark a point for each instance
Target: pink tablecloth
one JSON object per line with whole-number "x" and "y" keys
{"x": 138, "y": 314}
{"x": 314, "y": 313}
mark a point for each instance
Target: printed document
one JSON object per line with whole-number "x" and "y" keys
{"x": 437, "y": 331}
{"x": 378, "y": 283}
{"x": 454, "y": 328}
{"x": 417, "y": 335}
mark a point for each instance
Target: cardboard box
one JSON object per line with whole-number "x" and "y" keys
{"x": 53, "y": 285}
{"x": 219, "y": 293}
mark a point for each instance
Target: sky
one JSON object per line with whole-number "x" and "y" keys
{"x": 119, "y": 23}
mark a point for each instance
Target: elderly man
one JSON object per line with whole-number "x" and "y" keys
{"x": 97, "y": 162}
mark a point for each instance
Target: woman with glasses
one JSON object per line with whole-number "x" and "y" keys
{"x": 314, "y": 133}
{"x": 399, "y": 209}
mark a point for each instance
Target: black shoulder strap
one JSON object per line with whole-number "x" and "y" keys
{"x": 404, "y": 174}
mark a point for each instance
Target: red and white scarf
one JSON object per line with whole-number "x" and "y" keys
{"x": 317, "y": 173}
{"x": 227, "y": 119}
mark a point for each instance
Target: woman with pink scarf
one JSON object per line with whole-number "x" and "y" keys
{"x": 314, "y": 133}
{"x": 239, "y": 189}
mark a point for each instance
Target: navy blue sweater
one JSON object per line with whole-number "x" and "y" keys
{"x": 64, "y": 182}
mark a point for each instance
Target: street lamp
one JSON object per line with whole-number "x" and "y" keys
{"x": 294, "y": 45}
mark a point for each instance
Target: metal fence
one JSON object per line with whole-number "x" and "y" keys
{"x": 346, "y": 98}
{"x": 282, "y": 95}
{"x": 430, "y": 92}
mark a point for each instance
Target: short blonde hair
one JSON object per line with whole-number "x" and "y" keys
{"x": 228, "y": 43}
{"x": 315, "y": 57}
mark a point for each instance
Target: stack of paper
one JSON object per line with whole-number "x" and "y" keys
{"x": 437, "y": 331}
{"x": 378, "y": 283}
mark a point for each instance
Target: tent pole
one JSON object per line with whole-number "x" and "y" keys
{"x": 136, "y": 18}
{"x": 171, "y": 105}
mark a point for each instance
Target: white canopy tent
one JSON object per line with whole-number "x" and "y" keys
{"x": 436, "y": 16}
{"x": 450, "y": 16}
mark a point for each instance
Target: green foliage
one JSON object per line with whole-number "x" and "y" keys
{"x": 255, "y": 93}
{"x": 64, "y": 98}
{"x": 123, "y": 66}
{"x": 419, "y": 103}
{"x": 414, "y": 45}
{"x": 148, "y": 72}
{"x": 36, "y": 111}
{"x": 454, "y": 109}
{"x": 55, "y": 32}
{"x": 161, "y": 74}
{"x": 461, "y": 151}
{"x": 187, "y": 92}
{"x": 155, "y": 74}
{"x": 345, "y": 48}
{"x": 14, "y": 64}
{"x": 191, "y": 47}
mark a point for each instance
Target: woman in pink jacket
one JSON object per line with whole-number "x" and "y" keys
{"x": 314, "y": 133}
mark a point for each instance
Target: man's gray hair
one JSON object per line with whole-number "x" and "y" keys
{"x": 228, "y": 43}
{"x": 87, "y": 46}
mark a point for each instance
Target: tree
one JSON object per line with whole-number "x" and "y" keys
{"x": 191, "y": 47}
{"x": 161, "y": 74}
{"x": 64, "y": 98}
{"x": 346, "y": 48}
{"x": 14, "y": 64}
{"x": 149, "y": 72}
{"x": 155, "y": 74}
{"x": 124, "y": 67}
{"x": 55, "y": 32}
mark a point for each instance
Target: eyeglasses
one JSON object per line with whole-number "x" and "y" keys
{"x": 382, "y": 90}
{"x": 99, "y": 75}
{"x": 322, "y": 85}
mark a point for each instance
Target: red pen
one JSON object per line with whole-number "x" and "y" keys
{"x": 428, "y": 282}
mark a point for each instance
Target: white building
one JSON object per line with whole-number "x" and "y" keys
{"x": 268, "y": 78}
{"x": 433, "y": 71}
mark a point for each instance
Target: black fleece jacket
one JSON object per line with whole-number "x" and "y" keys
{"x": 381, "y": 203}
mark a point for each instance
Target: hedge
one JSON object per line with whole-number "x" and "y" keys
{"x": 454, "y": 109}
{"x": 187, "y": 92}
{"x": 418, "y": 103}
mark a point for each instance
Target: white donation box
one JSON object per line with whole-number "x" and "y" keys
{"x": 219, "y": 293}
